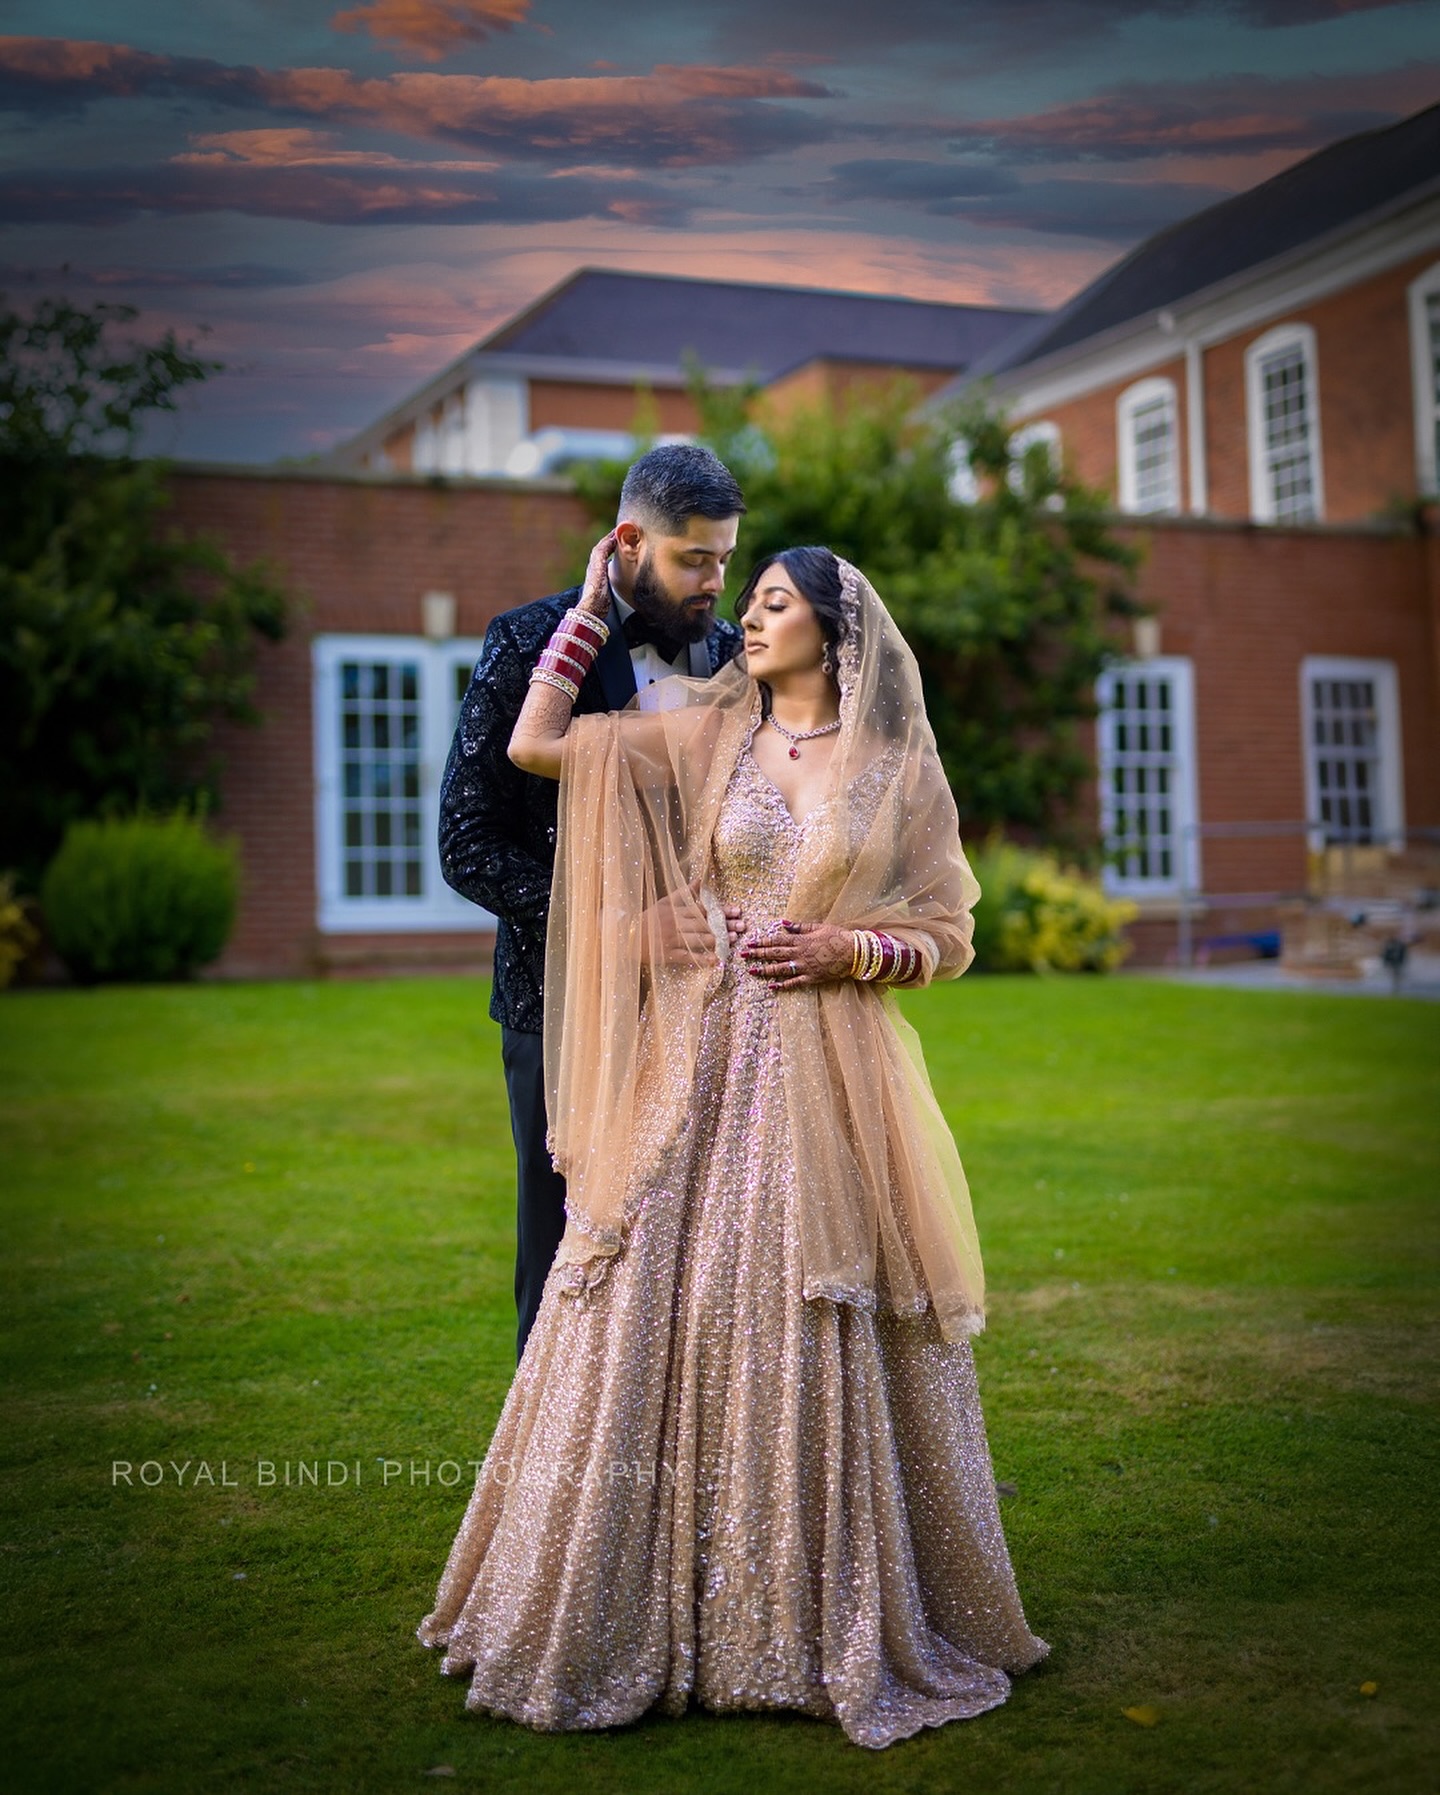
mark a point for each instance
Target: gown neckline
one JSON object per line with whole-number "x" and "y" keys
{"x": 796, "y": 823}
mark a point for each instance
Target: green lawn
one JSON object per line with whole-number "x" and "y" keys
{"x": 273, "y": 1223}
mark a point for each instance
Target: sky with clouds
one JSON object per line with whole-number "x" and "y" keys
{"x": 348, "y": 196}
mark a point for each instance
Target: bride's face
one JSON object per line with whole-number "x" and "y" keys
{"x": 782, "y": 632}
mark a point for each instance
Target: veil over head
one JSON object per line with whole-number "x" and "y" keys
{"x": 884, "y": 1210}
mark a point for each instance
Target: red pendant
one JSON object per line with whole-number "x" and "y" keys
{"x": 794, "y": 753}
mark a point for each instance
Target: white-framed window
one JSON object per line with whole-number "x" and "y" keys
{"x": 1042, "y": 431}
{"x": 384, "y": 716}
{"x": 1282, "y": 402}
{"x": 425, "y": 448}
{"x": 1145, "y": 735}
{"x": 497, "y": 418}
{"x": 1354, "y": 783}
{"x": 961, "y": 482}
{"x": 1147, "y": 434}
{"x": 1425, "y": 365}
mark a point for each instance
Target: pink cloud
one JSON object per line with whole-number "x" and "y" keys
{"x": 1234, "y": 115}
{"x": 675, "y": 116}
{"x": 431, "y": 29}
{"x": 111, "y": 68}
{"x": 665, "y": 111}
{"x": 297, "y": 146}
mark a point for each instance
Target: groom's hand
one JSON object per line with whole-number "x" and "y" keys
{"x": 682, "y": 932}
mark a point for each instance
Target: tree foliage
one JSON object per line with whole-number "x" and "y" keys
{"x": 1009, "y": 602}
{"x": 121, "y": 640}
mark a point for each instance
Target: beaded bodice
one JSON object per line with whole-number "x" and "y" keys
{"x": 756, "y": 844}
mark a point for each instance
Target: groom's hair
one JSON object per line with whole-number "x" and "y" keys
{"x": 675, "y": 482}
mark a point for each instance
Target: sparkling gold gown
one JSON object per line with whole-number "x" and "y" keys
{"x": 702, "y": 1485}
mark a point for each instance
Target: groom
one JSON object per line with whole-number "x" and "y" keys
{"x": 679, "y": 515}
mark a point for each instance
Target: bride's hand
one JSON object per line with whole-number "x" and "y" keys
{"x": 595, "y": 595}
{"x": 801, "y": 953}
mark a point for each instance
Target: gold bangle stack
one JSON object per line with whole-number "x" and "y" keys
{"x": 865, "y": 962}
{"x": 881, "y": 959}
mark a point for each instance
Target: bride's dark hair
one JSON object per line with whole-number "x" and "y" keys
{"x": 816, "y": 575}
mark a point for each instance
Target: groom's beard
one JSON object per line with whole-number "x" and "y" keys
{"x": 674, "y": 618}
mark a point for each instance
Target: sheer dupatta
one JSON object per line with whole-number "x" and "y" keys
{"x": 885, "y": 1216}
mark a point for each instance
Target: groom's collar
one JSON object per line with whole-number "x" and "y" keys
{"x": 698, "y": 653}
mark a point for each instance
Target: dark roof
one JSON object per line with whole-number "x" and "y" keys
{"x": 1321, "y": 194}
{"x": 599, "y": 314}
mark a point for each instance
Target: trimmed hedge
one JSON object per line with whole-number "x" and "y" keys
{"x": 140, "y": 898}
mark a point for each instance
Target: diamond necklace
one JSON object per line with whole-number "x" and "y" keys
{"x": 800, "y": 735}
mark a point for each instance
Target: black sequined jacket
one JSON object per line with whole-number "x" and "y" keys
{"x": 497, "y": 823}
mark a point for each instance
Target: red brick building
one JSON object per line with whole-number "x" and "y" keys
{"x": 1275, "y": 357}
{"x": 1271, "y": 363}
{"x": 334, "y": 797}
{"x": 1257, "y": 386}
{"x": 571, "y": 375}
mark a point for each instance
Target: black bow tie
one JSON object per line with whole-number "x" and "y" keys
{"x": 639, "y": 630}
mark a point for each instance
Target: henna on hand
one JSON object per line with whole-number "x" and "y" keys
{"x": 595, "y": 592}
{"x": 801, "y": 953}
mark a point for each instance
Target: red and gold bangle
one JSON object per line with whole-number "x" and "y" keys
{"x": 590, "y": 628}
{"x": 904, "y": 962}
{"x": 900, "y": 961}
{"x": 881, "y": 959}
{"x": 568, "y": 648}
{"x": 556, "y": 659}
{"x": 543, "y": 677}
{"x": 570, "y": 653}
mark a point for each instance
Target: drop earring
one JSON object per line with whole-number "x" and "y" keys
{"x": 827, "y": 666}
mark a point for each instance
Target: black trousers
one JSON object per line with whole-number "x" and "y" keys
{"x": 539, "y": 1188}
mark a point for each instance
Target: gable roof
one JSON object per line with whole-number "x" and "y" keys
{"x": 1338, "y": 186}
{"x": 601, "y": 314}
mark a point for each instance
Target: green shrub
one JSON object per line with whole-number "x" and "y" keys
{"x": 18, "y": 935}
{"x": 1036, "y": 916}
{"x": 139, "y": 898}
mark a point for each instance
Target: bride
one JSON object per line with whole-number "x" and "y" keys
{"x": 743, "y": 1459}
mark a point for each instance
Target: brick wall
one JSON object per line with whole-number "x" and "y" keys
{"x": 582, "y": 405}
{"x": 825, "y": 381}
{"x": 1088, "y": 439}
{"x": 357, "y": 555}
{"x": 1367, "y": 421}
{"x": 1245, "y": 603}
{"x": 1367, "y": 413}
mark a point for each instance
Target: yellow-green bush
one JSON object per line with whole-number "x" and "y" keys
{"x": 18, "y": 935}
{"x": 1035, "y": 915}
